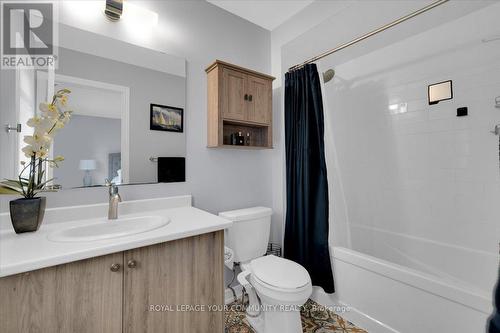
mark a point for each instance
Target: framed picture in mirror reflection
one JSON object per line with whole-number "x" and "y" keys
{"x": 166, "y": 118}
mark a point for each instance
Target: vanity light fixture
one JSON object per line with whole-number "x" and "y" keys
{"x": 113, "y": 9}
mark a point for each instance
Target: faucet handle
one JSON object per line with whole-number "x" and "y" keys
{"x": 113, "y": 189}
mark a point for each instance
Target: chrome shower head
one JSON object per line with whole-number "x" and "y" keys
{"x": 328, "y": 75}
{"x": 496, "y": 130}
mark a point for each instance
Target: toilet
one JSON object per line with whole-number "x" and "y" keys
{"x": 276, "y": 287}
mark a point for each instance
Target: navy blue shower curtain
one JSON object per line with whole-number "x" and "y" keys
{"x": 494, "y": 323}
{"x": 306, "y": 229}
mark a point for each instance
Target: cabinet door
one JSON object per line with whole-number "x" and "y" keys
{"x": 260, "y": 104}
{"x": 84, "y": 296}
{"x": 233, "y": 94}
{"x": 169, "y": 277}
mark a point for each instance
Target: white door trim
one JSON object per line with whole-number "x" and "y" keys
{"x": 125, "y": 112}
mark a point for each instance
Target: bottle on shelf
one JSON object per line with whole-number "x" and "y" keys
{"x": 237, "y": 139}
{"x": 241, "y": 139}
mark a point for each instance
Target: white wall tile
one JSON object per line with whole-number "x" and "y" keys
{"x": 425, "y": 175}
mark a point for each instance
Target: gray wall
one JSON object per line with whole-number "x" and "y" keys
{"x": 200, "y": 32}
{"x": 146, "y": 86}
{"x": 86, "y": 138}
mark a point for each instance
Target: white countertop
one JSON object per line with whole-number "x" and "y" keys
{"x": 30, "y": 251}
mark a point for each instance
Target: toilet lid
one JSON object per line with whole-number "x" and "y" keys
{"x": 279, "y": 272}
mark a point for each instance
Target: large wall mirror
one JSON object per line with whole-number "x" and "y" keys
{"x": 128, "y": 113}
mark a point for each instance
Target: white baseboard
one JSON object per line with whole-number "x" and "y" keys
{"x": 353, "y": 315}
{"x": 228, "y": 294}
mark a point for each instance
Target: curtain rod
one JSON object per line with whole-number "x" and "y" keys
{"x": 371, "y": 33}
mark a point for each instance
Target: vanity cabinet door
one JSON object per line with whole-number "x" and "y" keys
{"x": 164, "y": 283}
{"x": 83, "y": 296}
{"x": 260, "y": 100}
{"x": 234, "y": 94}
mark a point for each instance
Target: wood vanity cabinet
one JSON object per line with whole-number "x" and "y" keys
{"x": 83, "y": 296}
{"x": 234, "y": 95}
{"x": 116, "y": 292}
{"x": 183, "y": 272}
{"x": 239, "y": 100}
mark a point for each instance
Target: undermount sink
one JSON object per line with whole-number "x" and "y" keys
{"x": 106, "y": 229}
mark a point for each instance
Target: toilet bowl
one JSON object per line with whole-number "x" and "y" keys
{"x": 276, "y": 287}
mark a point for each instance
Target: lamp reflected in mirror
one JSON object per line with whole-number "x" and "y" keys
{"x": 88, "y": 166}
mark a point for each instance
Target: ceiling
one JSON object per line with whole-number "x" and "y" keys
{"x": 267, "y": 14}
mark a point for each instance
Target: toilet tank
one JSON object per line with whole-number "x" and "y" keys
{"x": 249, "y": 234}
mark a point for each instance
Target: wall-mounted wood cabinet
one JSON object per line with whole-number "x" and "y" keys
{"x": 239, "y": 100}
{"x": 149, "y": 289}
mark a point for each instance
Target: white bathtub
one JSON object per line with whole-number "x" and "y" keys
{"x": 386, "y": 297}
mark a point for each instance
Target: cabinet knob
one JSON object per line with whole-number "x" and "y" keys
{"x": 245, "y": 97}
{"x": 115, "y": 267}
{"x": 132, "y": 264}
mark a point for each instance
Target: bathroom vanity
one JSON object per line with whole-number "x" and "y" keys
{"x": 168, "y": 279}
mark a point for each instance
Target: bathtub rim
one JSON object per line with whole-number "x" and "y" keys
{"x": 415, "y": 278}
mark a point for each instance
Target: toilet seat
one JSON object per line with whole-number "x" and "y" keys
{"x": 280, "y": 274}
{"x": 261, "y": 286}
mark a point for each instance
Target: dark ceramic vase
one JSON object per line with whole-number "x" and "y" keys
{"x": 27, "y": 214}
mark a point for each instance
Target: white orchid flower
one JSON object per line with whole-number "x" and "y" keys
{"x": 28, "y": 151}
{"x": 53, "y": 113}
{"x": 42, "y": 153}
{"x": 43, "y": 127}
{"x": 37, "y": 140}
{"x": 49, "y": 110}
{"x": 44, "y": 107}
{"x": 34, "y": 122}
{"x": 46, "y": 123}
{"x": 67, "y": 116}
{"x": 63, "y": 100}
{"x": 59, "y": 124}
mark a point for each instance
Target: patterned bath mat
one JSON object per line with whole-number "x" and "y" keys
{"x": 315, "y": 319}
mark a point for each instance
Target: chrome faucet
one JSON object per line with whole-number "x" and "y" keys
{"x": 114, "y": 199}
